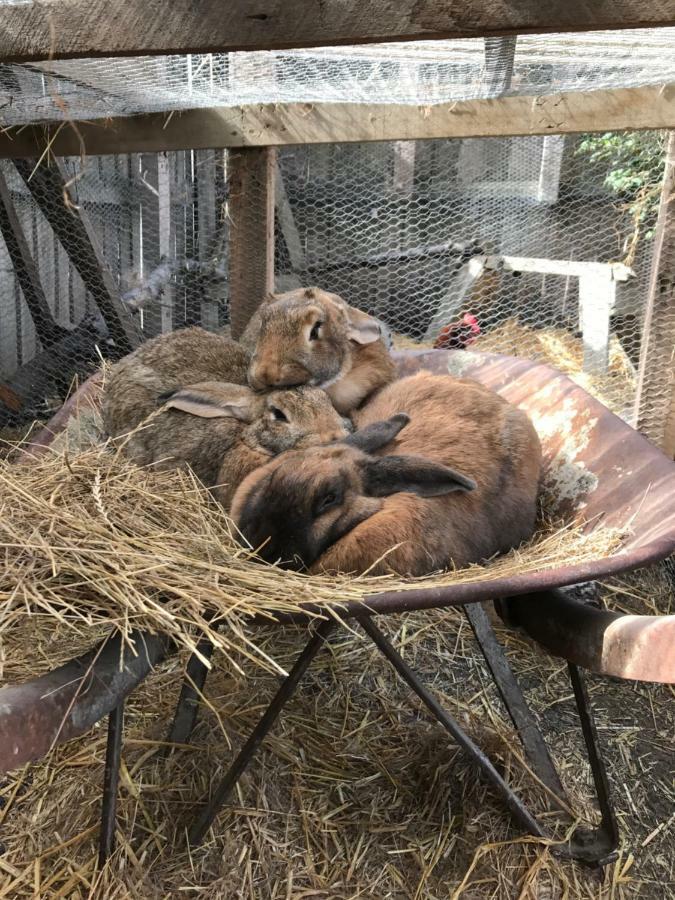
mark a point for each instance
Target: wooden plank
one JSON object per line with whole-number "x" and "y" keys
{"x": 48, "y": 186}
{"x": 251, "y": 243}
{"x": 206, "y": 220}
{"x": 86, "y": 28}
{"x": 8, "y": 314}
{"x": 500, "y": 54}
{"x": 287, "y": 224}
{"x": 404, "y": 167}
{"x": 164, "y": 227}
{"x": 655, "y": 396}
{"x": 613, "y": 109}
{"x": 26, "y": 269}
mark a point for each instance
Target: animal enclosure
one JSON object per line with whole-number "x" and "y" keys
{"x": 508, "y": 195}
{"x": 543, "y": 243}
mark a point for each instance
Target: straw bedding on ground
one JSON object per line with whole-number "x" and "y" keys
{"x": 559, "y": 348}
{"x": 355, "y": 793}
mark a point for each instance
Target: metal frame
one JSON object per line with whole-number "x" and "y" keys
{"x": 594, "y": 847}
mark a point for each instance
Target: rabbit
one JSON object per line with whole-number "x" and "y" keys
{"x": 458, "y": 485}
{"x": 308, "y": 336}
{"x": 221, "y": 430}
{"x": 164, "y": 364}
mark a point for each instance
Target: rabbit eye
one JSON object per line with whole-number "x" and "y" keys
{"x": 328, "y": 501}
{"x": 314, "y": 334}
{"x": 278, "y": 415}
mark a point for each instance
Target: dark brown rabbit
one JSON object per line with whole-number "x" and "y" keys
{"x": 309, "y": 336}
{"x": 458, "y": 485}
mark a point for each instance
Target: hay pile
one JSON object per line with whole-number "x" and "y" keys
{"x": 356, "y": 793}
{"x": 560, "y": 349}
{"x": 93, "y": 539}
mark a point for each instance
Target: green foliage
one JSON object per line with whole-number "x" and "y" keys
{"x": 634, "y": 171}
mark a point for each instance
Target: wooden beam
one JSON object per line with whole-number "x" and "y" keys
{"x": 251, "y": 237}
{"x": 48, "y": 186}
{"x": 85, "y": 28}
{"x": 26, "y": 270}
{"x": 261, "y": 125}
{"x": 655, "y": 397}
{"x": 287, "y": 224}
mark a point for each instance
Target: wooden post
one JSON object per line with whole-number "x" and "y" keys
{"x": 251, "y": 244}
{"x": 206, "y": 230}
{"x": 48, "y": 186}
{"x": 287, "y": 225}
{"x": 499, "y": 57}
{"x": 26, "y": 270}
{"x": 404, "y": 167}
{"x": 597, "y": 296}
{"x": 164, "y": 227}
{"x": 655, "y": 396}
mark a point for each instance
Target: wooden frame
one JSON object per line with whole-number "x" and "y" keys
{"x": 85, "y": 28}
{"x": 654, "y": 401}
{"x": 265, "y": 125}
{"x": 250, "y": 177}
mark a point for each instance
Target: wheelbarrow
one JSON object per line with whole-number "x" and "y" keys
{"x": 604, "y": 470}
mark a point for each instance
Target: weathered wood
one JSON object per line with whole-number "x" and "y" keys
{"x": 48, "y": 186}
{"x": 25, "y": 268}
{"x": 404, "y": 167}
{"x": 251, "y": 243}
{"x": 500, "y": 54}
{"x": 85, "y": 28}
{"x": 287, "y": 224}
{"x": 655, "y": 396}
{"x": 164, "y": 228}
{"x": 278, "y": 124}
{"x": 206, "y": 243}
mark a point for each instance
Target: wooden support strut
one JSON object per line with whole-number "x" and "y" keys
{"x": 251, "y": 213}
{"x": 655, "y": 396}
{"x": 283, "y": 124}
{"x": 48, "y": 186}
{"x": 26, "y": 270}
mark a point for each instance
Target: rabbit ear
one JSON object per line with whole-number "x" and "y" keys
{"x": 362, "y": 328}
{"x": 413, "y": 475}
{"x": 378, "y": 434}
{"x": 213, "y": 400}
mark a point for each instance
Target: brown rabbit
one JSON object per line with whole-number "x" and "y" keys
{"x": 309, "y": 336}
{"x": 164, "y": 364}
{"x": 222, "y": 430}
{"x": 408, "y": 509}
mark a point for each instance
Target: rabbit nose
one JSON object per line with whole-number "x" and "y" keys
{"x": 260, "y": 377}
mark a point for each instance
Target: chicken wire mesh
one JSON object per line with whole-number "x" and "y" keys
{"x": 410, "y": 72}
{"x": 525, "y": 246}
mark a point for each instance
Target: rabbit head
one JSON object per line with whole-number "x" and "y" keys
{"x": 306, "y": 336}
{"x": 296, "y": 506}
{"x": 271, "y": 423}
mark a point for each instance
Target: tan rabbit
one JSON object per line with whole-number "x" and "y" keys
{"x": 221, "y": 430}
{"x": 458, "y": 485}
{"x": 309, "y": 336}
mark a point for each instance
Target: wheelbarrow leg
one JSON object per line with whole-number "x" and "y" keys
{"x": 518, "y": 809}
{"x": 513, "y": 699}
{"x": 111, "y": 777}
{"x": 187, "y": 709}
{"x": 271, "y": 714}
{"x": 599, "y": 845}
